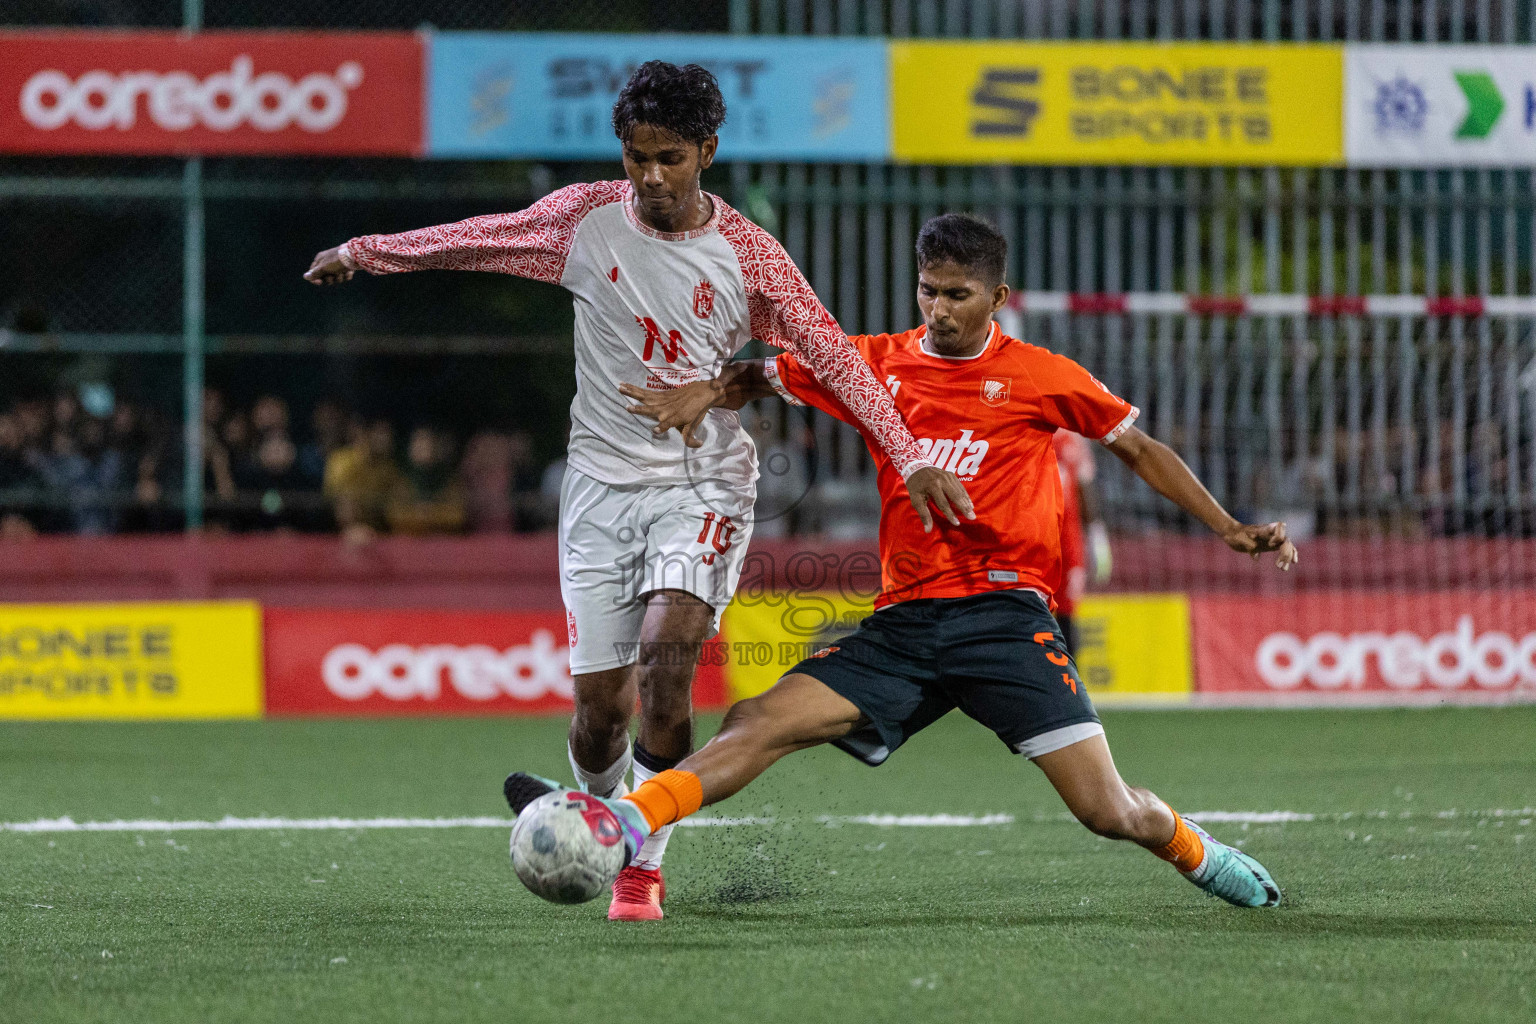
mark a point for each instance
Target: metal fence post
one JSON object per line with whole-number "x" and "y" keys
{"x": 192, "y": 311}
{"x": 192, "y": 315}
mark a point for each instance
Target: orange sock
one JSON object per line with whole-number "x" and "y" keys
{"x": 668, "y": 797}
{"x": 1184, "y": 851}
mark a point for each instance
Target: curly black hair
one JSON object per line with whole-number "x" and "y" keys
{"x": 685, "y": 101}
{"x": 965, "y": 240}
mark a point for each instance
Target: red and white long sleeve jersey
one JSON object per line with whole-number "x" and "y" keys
{"x": 656, "y": 310}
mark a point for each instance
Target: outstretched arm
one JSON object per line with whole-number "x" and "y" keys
{"x": 1161, "y": 467}
{"x": 530, "y": 243}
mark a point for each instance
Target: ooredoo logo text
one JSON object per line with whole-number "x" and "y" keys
{"x": 1461, "y": 657}
{"x": 476, "y": 672}
{"x": 178, "y": 101}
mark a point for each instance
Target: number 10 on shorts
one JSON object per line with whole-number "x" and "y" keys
{"x": 717, "y": 532}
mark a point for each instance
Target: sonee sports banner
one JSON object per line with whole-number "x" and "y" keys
{"x": 130, "y": 661}
{"x": 1115, "y": 103}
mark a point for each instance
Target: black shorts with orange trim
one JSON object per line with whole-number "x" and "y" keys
{"x": 999, "y": 657}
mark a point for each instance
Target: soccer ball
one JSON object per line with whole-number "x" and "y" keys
{"x": 567, "y": 847}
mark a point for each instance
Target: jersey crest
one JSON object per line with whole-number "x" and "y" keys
{"x": 703, "y": 300}
{"x": 995, "y": 390}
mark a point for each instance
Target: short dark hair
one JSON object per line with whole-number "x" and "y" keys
{"x": 968, "y": 241}
{"x": 685, "y": 101}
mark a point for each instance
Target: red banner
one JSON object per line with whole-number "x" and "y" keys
{"x": 268, "y": 93}
{"x": 1368, "y": 646}
{"x": 391, "y": 662}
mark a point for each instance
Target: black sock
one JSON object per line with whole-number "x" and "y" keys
{"x": 651, "y": 763}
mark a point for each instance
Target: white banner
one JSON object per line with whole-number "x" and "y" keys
{"x": 1440, "y": 106}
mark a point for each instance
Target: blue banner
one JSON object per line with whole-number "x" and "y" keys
{"x": 551, "y": 96}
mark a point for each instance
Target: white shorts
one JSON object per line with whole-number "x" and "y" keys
{"x": 619, "y": 543}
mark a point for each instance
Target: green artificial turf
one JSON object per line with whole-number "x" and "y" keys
{"x": 1405, "y": 898}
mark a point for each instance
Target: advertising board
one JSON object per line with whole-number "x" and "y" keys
{"x": 1116, "y": 103}
{"x": 1421, "y": 106}
{"x": 1132, "y": 648}
{"x": 130, "y": 661}
{"x": 1368, "y": 646}
{"x": 551, "y": 96}
{"x": 169, "y": 93}
{"x": 323, "y": 661}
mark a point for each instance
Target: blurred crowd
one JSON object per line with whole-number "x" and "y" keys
{"x": 85, "y": 463}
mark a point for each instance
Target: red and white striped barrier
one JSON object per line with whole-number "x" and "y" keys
{"x": 1278, "y": 304}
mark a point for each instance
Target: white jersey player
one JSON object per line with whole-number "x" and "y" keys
{"x": 669, "y": 282}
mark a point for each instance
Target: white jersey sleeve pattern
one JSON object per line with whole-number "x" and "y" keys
{"x": 786, "y": 313}
{"x": 532, "y": 243}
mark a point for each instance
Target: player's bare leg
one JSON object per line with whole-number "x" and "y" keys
{"x": 798, "y": 712}
{"x": 599, "y": 734}
{"x": 675, "y": 627}
{"x": 1085, "y": 776}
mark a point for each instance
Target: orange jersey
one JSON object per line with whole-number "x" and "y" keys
{"x": 988, "y": 419}
{"x": 1074, "y": 461}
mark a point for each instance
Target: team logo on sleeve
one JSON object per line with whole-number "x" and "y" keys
{"x": 995, "y": 390}
{"x": 703, "y": 300}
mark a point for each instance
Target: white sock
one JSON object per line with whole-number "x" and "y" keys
{"x": 655, "y": 847}
{"x": 607, "y": 783}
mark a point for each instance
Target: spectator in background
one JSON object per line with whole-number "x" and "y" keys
{"x": 272, "y": 480}
{"x": 32, "y": 421}
{"x": 487, "y": 475}
{"x": 360, "y": 478}
{"x": 527, "y": 507}
{"x": 66, "y": 415}
{"x": 87, "y": 474}
{"x": 239, "y": 439}
{"x": 428, "y": 497}
{"x": 18, "y": 477}
{"x": 269, "y": 415}
{"x": 328, "y": 432}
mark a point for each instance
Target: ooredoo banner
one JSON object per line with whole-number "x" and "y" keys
{"x": 325, "y": 661}
{"x": 1379, "y": 647}
{"x": 269, "y": 93}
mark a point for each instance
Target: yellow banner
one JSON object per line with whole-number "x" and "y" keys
{"x": 1117, "y": 103}
{"x": 767, "y": 637}
{"x": 131, "y": 661}
{"x": 1134, "y": 648}
{"x": 1131, "y": 648}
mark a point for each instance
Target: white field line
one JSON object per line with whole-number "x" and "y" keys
{"x": 233, "y": 824}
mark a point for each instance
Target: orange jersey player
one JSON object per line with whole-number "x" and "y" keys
{"x": 1079, "y": 516}
{"x": 963, "y": 619}
{"x": 988, "y": 418}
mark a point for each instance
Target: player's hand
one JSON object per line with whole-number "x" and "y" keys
{"x": 327, "y": 268}
{"x": 1255, "y": 540}
{"x": 681, "y": 407}
{"x": 945, "y": 491}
